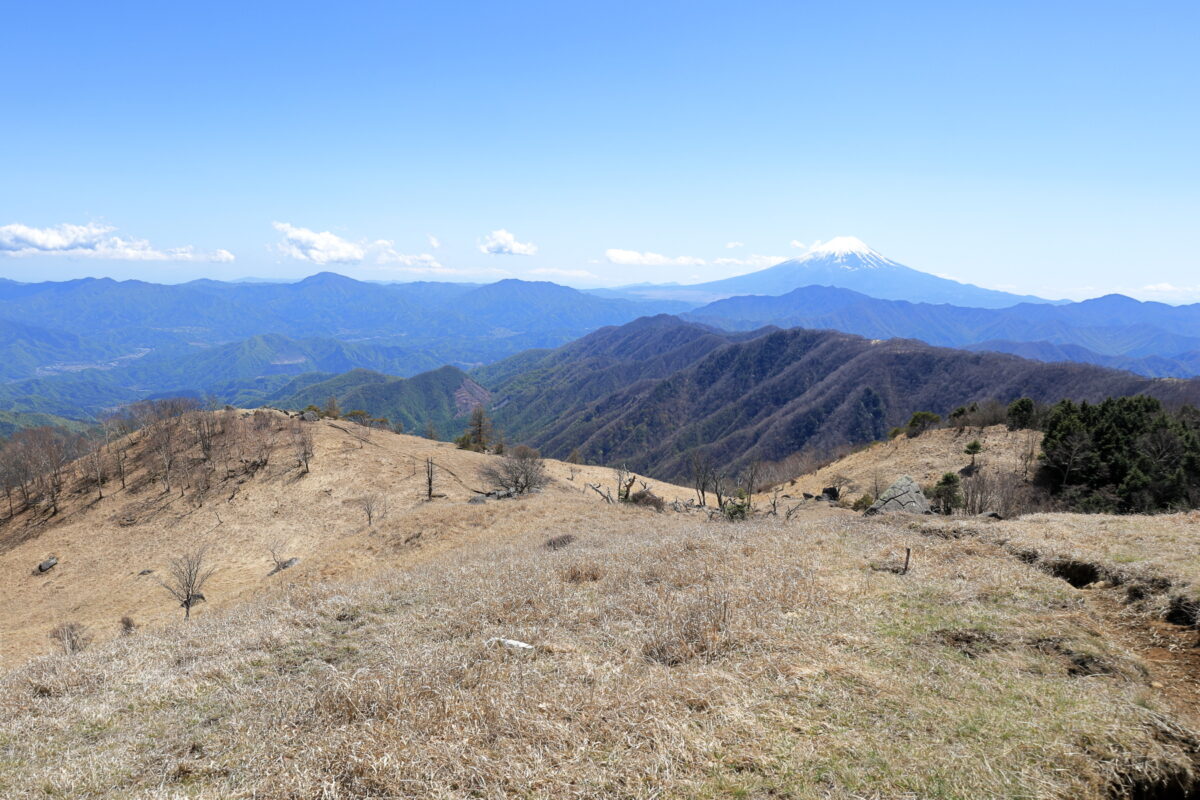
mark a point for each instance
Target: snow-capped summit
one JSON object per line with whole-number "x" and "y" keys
{"x": 846, "y": 262}
{"x": 842, "y": 245}
{"x": 848, "y": 252}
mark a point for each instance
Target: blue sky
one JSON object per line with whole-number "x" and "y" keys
{"x": 1045, "y": 147}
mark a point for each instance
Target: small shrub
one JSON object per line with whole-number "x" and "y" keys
{"x": 696, "y": 630}
{"x": 128, "y": 626}
{"x": 736, "y": 508}
{"x": 947, "y": 494}
{"x": 863, "y": 502}
{"x": 559, "y": 542}
{"x": 583, "y": 572}
{"x": 72, "y": 637}
{"x": 920, "y": 422}
{"x": 644, "y": 497}
{"x": 519, "y": 471}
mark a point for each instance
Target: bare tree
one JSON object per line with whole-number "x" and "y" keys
{"x": 278, "y": 550}
{"x": 302, "y": 443}
{"x": 374, "y": 505}
{"x": 703, "y": 473}
{"x": 625, "y": 481}
{"x": 95, "y": 461}
{"x": 72, "y": 637}
{"x": 519, "y": 471}
{"x": 186, "y": 575}
{"x": 429, "y": 478}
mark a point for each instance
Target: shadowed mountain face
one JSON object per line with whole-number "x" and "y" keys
{"x": 649, "y": 392}
{"x": 844, "y": 262}
{"x": 1153, "y": 339}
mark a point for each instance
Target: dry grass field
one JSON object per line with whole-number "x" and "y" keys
{"x": 926, "y": 457}
{"x": 671, "y": 655}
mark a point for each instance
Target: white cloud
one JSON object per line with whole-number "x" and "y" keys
{"x": 319, "y": 248}
{"x": 434, "y": 241}
{"x": 566, "y": 273}
{"x": 731, "y": 245}
{"x": 756, "y": 261}
{"x": 1167, "y": 293}
{"x": 799, "y": 244}
{"x": 92, "y": 240}
{"x": 633, "y": 257}
{"x": 423, "y": 262}
{"x": 503, "y": 243}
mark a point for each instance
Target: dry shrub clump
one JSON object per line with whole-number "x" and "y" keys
{"x": 583, "y": 572}
{"x": 688, "y": 629}
{"x": 71, "y": 637}
{"x": 647, "y": 499}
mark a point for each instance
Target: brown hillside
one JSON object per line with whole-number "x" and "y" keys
{"x": 669, "y": 655}
{"x": 103, "y": 546}
{"x": 926, "y": 458}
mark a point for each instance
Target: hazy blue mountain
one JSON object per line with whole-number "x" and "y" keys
{"x": 246, "y": 372}
{"x": 844, "y": 262}
{"x": 97, "y": 320}
{"x": 1182, "y": 365}
{"x": 1150, "y": 338}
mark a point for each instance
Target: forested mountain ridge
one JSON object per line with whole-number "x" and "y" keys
{"x": 762, "y": 397}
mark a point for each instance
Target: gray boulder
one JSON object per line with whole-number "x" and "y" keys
{"x": 903, "y": 495}
{"x": 309, "y": 416}
{"x": 48, "y": 564}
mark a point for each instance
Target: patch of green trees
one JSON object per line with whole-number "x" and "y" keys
{"x": 1126, "y": 454}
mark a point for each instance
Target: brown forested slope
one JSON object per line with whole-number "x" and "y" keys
{"x": 765, "y": 396}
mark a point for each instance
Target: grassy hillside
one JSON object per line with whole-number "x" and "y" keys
{"x": 926, "y": 458}
{"x": 672, "y": 656}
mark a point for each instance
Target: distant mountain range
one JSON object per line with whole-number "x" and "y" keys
{"x": 1152, "y": 339}
{"x": 465, "y": 323}
{"x": 845, "y": 262}
{"x": 75, "y": 349}
{"x": 649, "y": 392}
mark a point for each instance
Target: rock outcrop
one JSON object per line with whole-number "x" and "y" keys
{"x": 903, "y": 495}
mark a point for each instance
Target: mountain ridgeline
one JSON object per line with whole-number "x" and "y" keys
{"x": 1152, "y": 339}
{"x": 650, "y": 393}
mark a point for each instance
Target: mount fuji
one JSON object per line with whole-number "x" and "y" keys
{"x": 847, "y": 263}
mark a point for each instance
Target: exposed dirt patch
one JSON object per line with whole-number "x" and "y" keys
{"x": 971, "y": 642}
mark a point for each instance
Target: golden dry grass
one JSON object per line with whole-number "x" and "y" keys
{"x": 104, "y": 546}
{"x": 926, "y": 458}
{"x": 672, "y": 656}
{"x": 705, "y": 659}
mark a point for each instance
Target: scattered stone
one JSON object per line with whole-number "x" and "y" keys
{"x": 903, "y": 495}
{"x": 808, "y": 496}
{"x": 309, "y": 416}
{"x": 991, "y": 515}
{"x": 145, "y": 572}
{"x": 1156, "y": 685}
{"x": 48, "y": 564}
{"x": 477, "y": 500}
{"x": 511, "y": 643}
{"x": 831, "y": 493}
